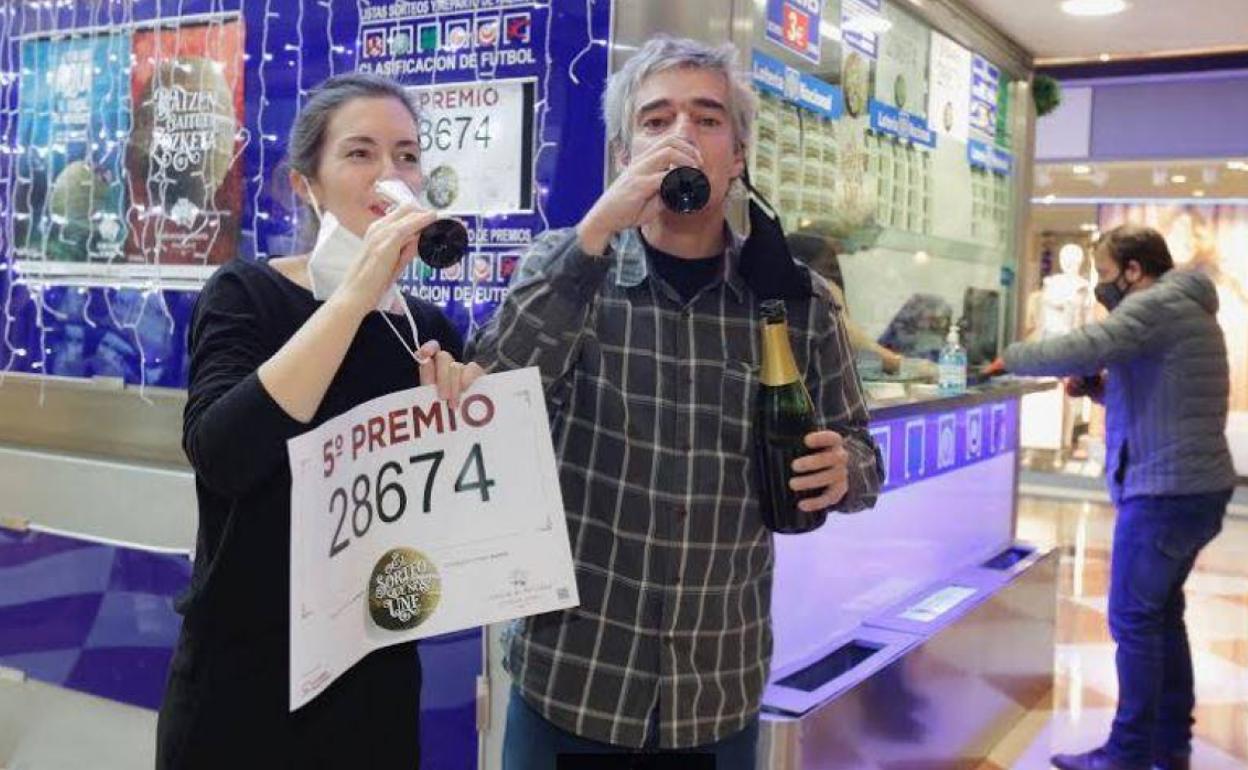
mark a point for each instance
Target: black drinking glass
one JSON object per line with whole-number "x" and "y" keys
{"x": 685, "y": 190}
{"x": 443, "y": 243}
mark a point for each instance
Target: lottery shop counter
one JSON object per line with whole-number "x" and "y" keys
{"x": 922, "y": 630}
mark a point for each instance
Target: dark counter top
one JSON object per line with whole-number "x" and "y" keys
{"x": 994, "y": 390}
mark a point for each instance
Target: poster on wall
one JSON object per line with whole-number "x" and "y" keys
{"x": 68, "y": 190}
{"x": 949, "y": 99}
{"x": 860, "y": 25}
{"x": 184, "y": 146}
{"x": 476, "y": 146}
{"x": 899, "y": 104}
{"x": 794, "y": 26}
{"x": 985, "y": 84}
{"x": 1214, "y": 240}
{"x": 901, "y": 72}
{"x": 130, "y": 153}
{"x": 984, "y": 149}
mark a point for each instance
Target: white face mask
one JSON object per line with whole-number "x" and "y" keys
{"x": 336, "y": 249}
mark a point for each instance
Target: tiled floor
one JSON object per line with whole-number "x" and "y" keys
{"x": 1085, "y": 685}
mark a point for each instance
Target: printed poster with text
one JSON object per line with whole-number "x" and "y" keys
{"x": 183, "y": 157}
{"x": 68, "y": 193}
{"x": 949, "y": 97}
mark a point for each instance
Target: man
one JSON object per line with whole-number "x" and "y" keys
{"x": 1170, "y": 476}
{"x": 647, "y": 336}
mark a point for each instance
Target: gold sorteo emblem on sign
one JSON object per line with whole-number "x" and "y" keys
{"x": 404, "y": 590}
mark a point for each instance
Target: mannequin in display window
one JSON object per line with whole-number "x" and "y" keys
{"x": 1062, "y": 304}
{"x": 1063, "y": 301}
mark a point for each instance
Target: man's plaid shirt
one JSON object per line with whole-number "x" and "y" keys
{"x": 651, "y": 404}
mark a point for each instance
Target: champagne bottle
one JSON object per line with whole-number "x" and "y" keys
{"x": 784, "y": 415}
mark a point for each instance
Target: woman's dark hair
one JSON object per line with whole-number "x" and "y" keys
{"x": 818, "y": 252}
{"x": 1143, "y": 245}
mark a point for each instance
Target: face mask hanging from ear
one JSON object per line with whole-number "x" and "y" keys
{"x": 335, "y": 251}
{"x": 766, "y": 264}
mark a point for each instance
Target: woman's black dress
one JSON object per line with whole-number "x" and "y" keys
{"x": 227, "y": 701}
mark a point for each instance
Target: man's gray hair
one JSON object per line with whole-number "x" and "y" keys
{"x": 663, "y": 53}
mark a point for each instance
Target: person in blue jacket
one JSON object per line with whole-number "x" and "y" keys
{"x": 1159, "y": 362}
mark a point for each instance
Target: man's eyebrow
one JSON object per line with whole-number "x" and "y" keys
{"x": 701, "y": 101}
{"x": 654, "y": 104}
{"x": 708, "y": 103}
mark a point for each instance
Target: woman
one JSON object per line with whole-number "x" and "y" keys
{"x": 276, "y": 350}
{"x": 819, "y": 253}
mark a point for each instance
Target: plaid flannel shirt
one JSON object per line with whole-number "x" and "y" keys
{"x": 651, "y": 404}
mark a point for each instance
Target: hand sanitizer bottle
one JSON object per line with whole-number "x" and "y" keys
{"x": 952, "y": 366}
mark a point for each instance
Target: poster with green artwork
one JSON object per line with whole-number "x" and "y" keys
{"x": 901, "y": 72}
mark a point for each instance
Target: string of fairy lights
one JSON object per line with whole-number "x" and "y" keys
{"x": 102, "y": 232}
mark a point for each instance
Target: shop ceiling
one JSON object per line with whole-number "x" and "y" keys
{"x": 1145, "y": 28}
{"x": 1065, "y": 195}
{"x": 1195, "y": 179}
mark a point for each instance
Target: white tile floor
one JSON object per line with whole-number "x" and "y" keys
{"x": 1085, "y": 683}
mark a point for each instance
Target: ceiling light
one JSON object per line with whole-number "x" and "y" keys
{"x": 1104, "y": 57}
{"x": 1237, "y": 165}
{"x": 1048, "y": 199}
{"x": 1093, "y": 7}
{"x": 1088, "y": 227}
{"x": 1198, "y": 193}
{"x": 922, "y": 258}
{"x": 1178, "y": 179}
{"x": 1081, "y": 169}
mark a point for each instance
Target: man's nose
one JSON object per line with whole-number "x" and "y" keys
{"x": 684, "y": 127}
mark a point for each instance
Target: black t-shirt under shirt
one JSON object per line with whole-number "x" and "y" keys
{"x": 686, "y": 276}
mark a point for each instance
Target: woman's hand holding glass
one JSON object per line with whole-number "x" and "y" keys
{"x": 389, "y": 247}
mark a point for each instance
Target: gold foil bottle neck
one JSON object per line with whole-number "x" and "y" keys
{"x": 779, "y": 368}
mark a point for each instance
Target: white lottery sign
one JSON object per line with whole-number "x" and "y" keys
{"x": 476, "y": 146}
{"x": 949, "y": 92}
{"x": 411, "y": 519}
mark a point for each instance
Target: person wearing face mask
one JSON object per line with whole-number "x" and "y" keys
{"x": 1160, "y": 361}
{"x": 276, "y": 349}
{"x": 644, "y": 322}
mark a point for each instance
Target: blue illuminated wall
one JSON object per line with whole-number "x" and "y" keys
{"x": 92, "y": 282}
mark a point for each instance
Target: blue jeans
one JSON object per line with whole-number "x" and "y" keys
{"x": 533, "y": 743}
{"x": 1156, "y": 541}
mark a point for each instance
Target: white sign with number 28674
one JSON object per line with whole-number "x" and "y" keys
{"x": 410, "y": 519}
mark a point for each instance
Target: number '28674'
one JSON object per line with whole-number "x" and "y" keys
{"x": 385, "y": 497}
